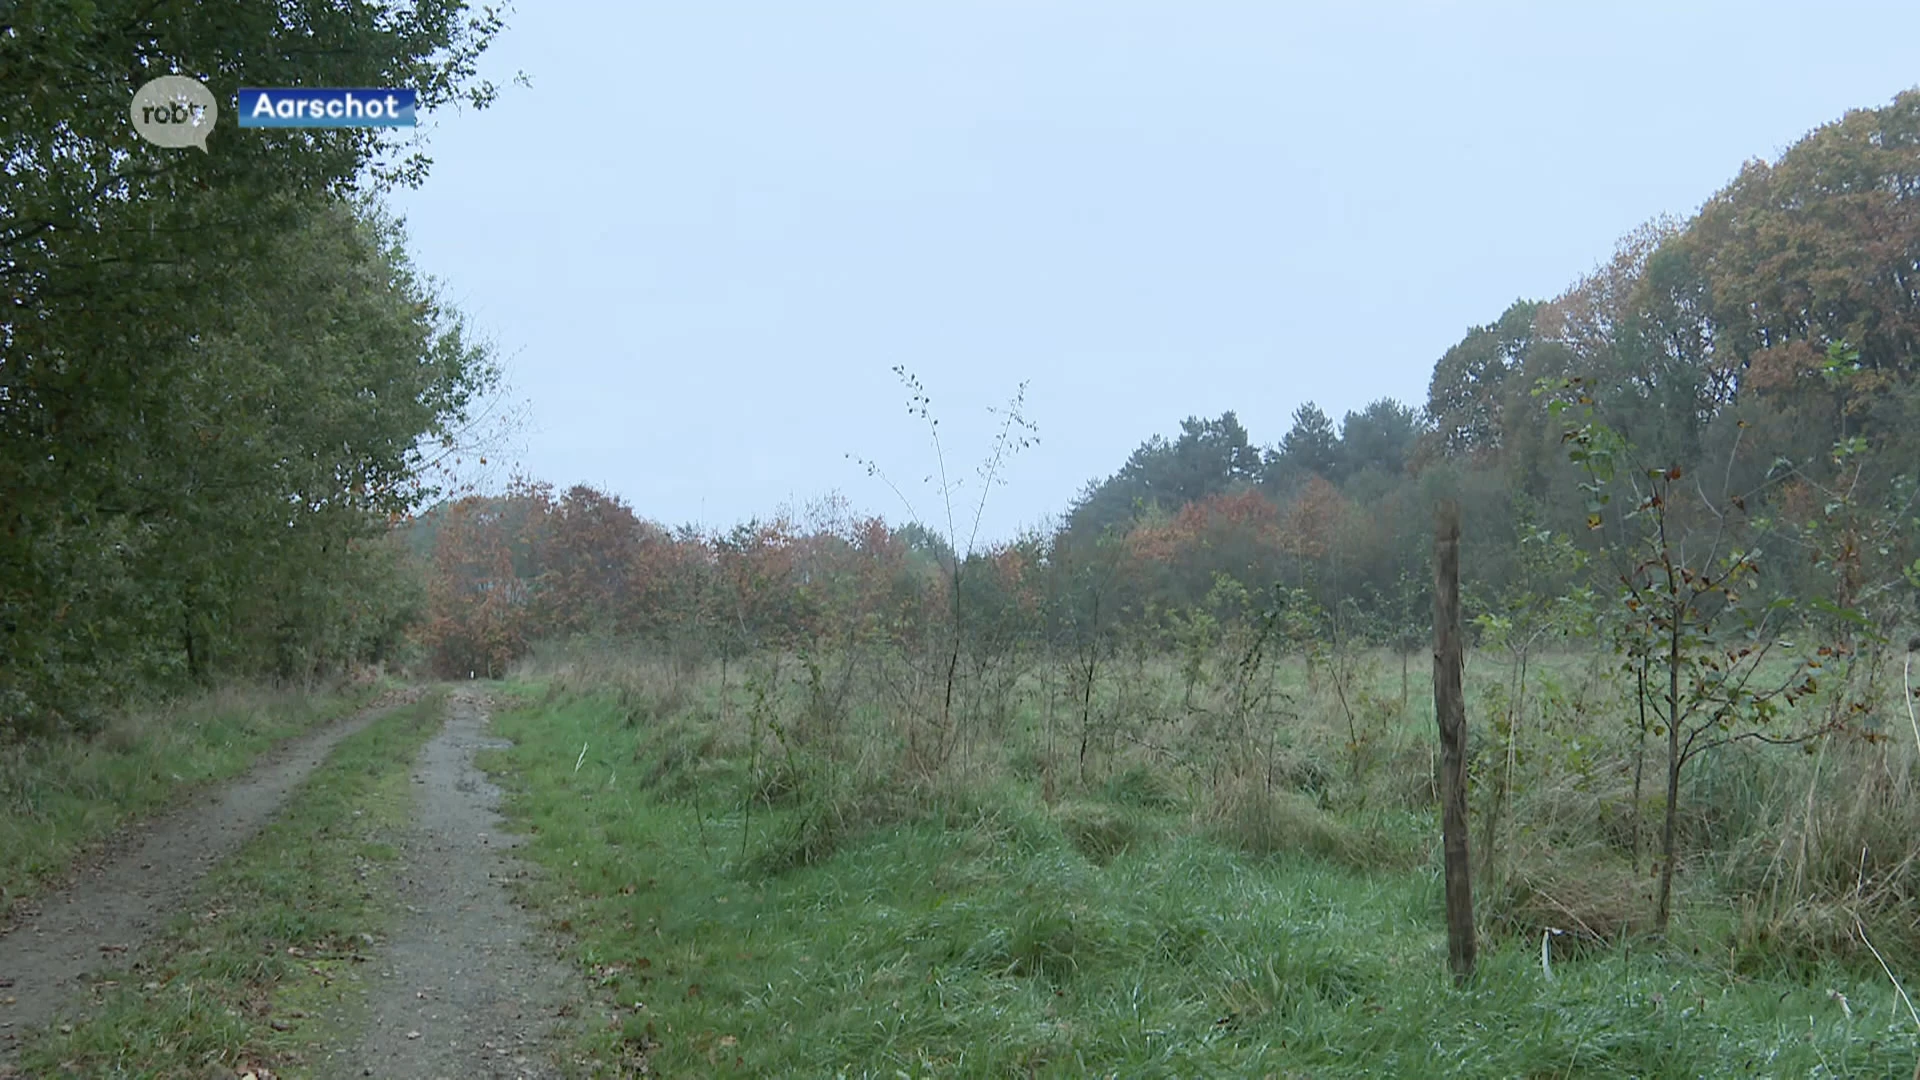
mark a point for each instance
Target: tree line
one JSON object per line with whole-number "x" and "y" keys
{"x": 1764, "y": 348}
{"x": 1697, "y": 465}
{"x": 221, "y": 381}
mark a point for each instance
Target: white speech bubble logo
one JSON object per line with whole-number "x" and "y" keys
{"x": 175, "y": 111}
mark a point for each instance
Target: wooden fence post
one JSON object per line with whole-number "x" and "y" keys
{"x": 1450, "y": 711}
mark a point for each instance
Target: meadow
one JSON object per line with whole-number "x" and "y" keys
{"x": 825, "y": 865}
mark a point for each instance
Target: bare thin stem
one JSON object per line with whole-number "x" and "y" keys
{"x": 1862, "y": 931}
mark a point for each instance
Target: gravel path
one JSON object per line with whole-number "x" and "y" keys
{"x": 466, "y": 988}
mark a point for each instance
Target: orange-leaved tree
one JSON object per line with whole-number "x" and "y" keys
{"x": 477, "y": 602}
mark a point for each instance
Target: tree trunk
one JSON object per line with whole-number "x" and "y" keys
{"x": 947, "y": 735}
{"x": 1669, "y": 832}
{"x": 1639, "y": 761}
{"x": 1086, "y": 708}
{"x": 193, "y": 657}
{"x": 1450, "y": 712}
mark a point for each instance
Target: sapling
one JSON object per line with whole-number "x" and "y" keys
{"x": 1682, "y": 573}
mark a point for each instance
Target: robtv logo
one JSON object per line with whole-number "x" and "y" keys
{"x": 357, "y": 108}
{"x": 174, "y": 111}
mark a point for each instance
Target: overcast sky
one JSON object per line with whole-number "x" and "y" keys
{"x": 705, "y": 233}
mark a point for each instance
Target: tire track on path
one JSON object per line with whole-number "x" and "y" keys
{"x": 111, "y": 907}
{"x": 467, "y": 988}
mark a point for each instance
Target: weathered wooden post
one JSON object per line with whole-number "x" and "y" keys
{"x": 1450, "y": 711}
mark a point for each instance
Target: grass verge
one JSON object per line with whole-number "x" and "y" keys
{"x": 998, "y": 937}
{"x": 257, "y": 973}
{"x": 63, "y": 795}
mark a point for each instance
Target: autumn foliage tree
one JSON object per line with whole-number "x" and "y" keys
{"x": 592, "y": 564}
{"x": 477, "y": 601}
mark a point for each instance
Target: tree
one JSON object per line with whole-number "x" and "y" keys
{"x": 1467, "y": 397}
{"x": 1313, "y": 520}
{"x": 1816, "y": 248}
{"x": 218, "y": 376}
{"x": 185, "y": 513}
{"x": 1682, "y": 577}
{"x": 477, "y": 602}
{"x": 1084, "y": 611}
{"x": 1380, "y": 437}
{"x": 1235, "y": 535}
{"x": 1210, "y": 457}
{"x": 590, "y": 564}
{"x": 1633, "y": 329}
{"x": 1309, "y": 448}
{"x": 1015, "y": 434}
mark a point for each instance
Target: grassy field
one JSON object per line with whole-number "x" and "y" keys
{"x": 61, "y": 795}
{"x": 752, "y": 904}
{"x": 259, "y": 971}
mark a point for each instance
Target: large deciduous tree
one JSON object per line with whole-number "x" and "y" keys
{"x": 1467, "y": 396}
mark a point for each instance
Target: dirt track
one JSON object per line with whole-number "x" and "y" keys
{"x": 466, "y": 987}
{"x": 113, "y": 905}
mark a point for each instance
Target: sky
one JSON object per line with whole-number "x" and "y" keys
{"x": 702, "y": 235}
